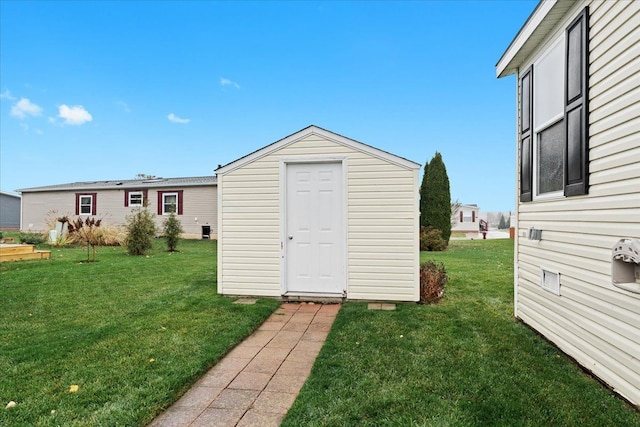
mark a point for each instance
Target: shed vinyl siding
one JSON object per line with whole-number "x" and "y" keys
{"x": 593, "y": 321}
{"x": 381, "y": 223}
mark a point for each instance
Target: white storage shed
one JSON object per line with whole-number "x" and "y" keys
{"x": 319, "y": 215}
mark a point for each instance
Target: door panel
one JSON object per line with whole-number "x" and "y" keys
{"x": 315, "y": 253}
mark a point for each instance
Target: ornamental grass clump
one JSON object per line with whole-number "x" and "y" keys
{"x": 433, "y": 279}
{"x": 142, "y": 229}
{"x": 172, "y": 229}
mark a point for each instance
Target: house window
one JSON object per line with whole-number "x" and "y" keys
{"x": 469, "y": 216}
{"x": 554, "y": 117}
{"x": 170, "y": 202}
{"x": 548, "y": 121}
{"x": 86, "y": 203}
{"x": 135, "y": 198}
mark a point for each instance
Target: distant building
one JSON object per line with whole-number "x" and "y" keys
{"x": 193, "y": 199}
{"x": 9, "y": 211}
{"x": 467, "y": 219}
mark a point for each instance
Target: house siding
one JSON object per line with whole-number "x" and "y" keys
{"x": 9, "y": 211}
{"x": 593, "y": 321}
{"x": 382, "y": 246}
{"x": 198, "y": 202}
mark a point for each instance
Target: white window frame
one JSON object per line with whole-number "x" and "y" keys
{"x": 552, "y": 120}
{"x": 164, "y": 195}
{"x": 81, "y": 204}
{"x": 136, "y": 193}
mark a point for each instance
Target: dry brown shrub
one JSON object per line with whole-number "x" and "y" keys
{"x": 433, "y": 279}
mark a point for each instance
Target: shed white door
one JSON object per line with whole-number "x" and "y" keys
{"x": 315, "y": 241}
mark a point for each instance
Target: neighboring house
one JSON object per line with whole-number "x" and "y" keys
{"x": 317, "y": 214}
{"x": 193, "y": 199}
{"x": 577, "y": 261}
{"x": 9, "y": 211}
{"x": 467, "y": 219}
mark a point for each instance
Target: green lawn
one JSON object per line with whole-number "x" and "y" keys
{"x": 132, "y": 333}
{"x": 462, "y": 362}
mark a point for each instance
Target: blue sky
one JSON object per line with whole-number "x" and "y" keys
{"x": 107, "y": 90}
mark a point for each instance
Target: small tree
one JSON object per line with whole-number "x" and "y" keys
{"x": 455, "y": 209}
{"x": 86, "y": 231}
{"x": 172, "y": 229}
{"x": 142, "y": 229}
{"x": 144, "y": 176}
{"x": 502, "y": 224}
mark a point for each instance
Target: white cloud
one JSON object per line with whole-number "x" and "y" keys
{"x": 7, "y": 95}
{"x": 175, "y": 119}
{"x": 24, "y": 108}
{"x": 75, "y": 115}
{"x": 27, "y": 130}
{"x": 124, "y": 106}
{"x": 227, "y": 82}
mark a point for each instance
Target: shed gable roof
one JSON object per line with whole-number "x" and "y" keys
{"x": 538, "y": 26}
{"x": 127, "y": 184}
{"x": 315, "y": 130}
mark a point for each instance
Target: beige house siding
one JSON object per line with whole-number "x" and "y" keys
{"x": 591, "y": 320}
{"x": 382, "y": 247}
{"x": 198, "y": 202}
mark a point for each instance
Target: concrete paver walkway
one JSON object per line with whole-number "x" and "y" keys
{"x": 257, "y": 382}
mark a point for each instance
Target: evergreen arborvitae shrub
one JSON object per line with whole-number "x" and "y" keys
{"x": 423, "y": 197}
{"x": 172, "y": 229}
{"x": 142, "y": 230}
{"x": 437, "y": 211}
{"x": 433, "y": 279}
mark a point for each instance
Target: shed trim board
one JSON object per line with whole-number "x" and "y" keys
{"x": 376, "y": 220}
{"x": 325, "y": 134}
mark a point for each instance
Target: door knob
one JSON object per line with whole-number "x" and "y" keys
{"x": 290, "y": 237}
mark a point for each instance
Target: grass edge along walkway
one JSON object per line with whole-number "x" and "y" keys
{"x": 132, "y": 333}
{"x": 463, "y": 362}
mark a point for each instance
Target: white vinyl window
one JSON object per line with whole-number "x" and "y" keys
{"x": 135, "y": 198}
{"x": 169, "y": 203}
{"x": 548, "y": 122}
{"x": 86, "y": 205}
